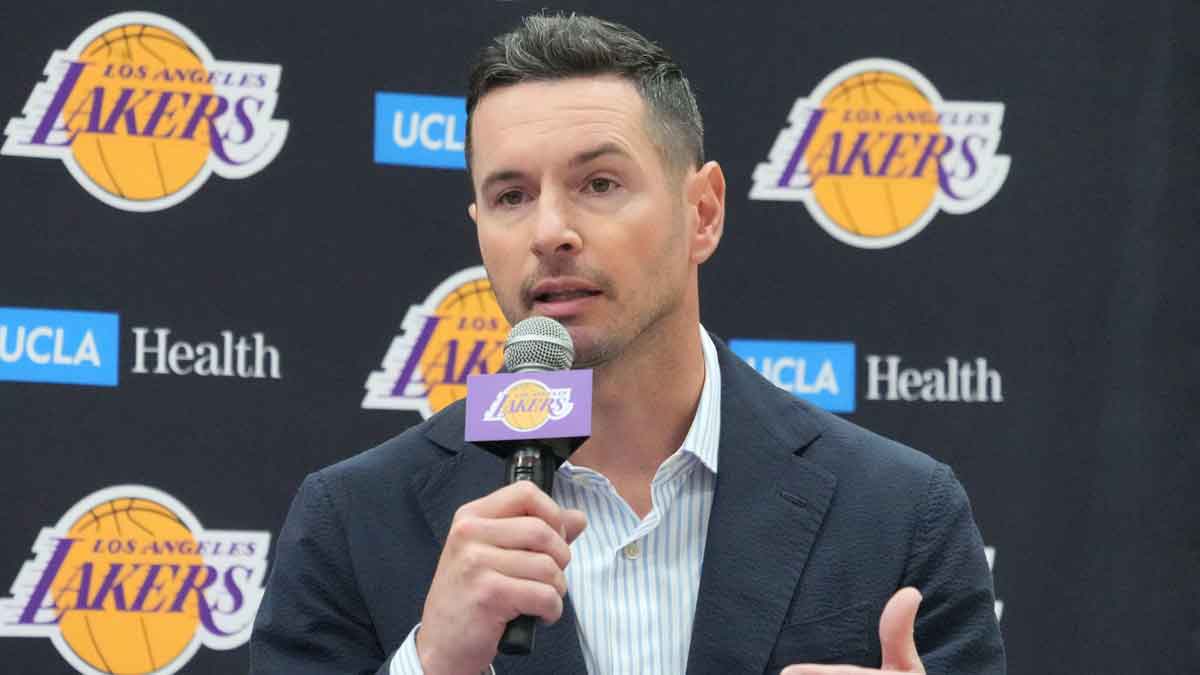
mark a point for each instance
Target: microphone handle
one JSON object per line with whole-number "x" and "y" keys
{"x": 533, "y": 463}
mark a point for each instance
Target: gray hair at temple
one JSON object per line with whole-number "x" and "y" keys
{"x": 554, "y": 47}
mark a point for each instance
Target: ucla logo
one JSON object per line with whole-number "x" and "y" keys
{"x": 141, "y": 113}
{"x": 420, "y": 130}
{"x": 128, "y": 581}
{"x": 875, "y": 153}
{"x": 60, "y": 346}
{"x": 821, "y": 373}
{"x": 457, "y": 331}
{"x": 527, "y": 405}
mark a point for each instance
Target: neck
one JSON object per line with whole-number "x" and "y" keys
{"x": 642, "y": 406}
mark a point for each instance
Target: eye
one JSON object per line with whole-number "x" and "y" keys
{"x": 601, "y": 185}
{"x": 510, "y": 198}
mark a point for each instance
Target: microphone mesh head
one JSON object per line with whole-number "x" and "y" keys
{"x": 538, "y": 343}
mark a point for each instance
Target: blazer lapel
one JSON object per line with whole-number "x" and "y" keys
{"x": 767, "y": 510}
{"x": 469, "y": 473}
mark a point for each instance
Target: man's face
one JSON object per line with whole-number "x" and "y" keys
{"x": 578, "y": 217}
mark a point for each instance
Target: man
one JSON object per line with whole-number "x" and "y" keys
{"x": 711, "y": 524}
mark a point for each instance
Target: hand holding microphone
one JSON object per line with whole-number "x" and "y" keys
{"x": 503, "y": 563}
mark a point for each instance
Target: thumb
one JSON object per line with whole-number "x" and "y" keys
{"x": 574, "y": 521}
{"x": 896, "y": 632}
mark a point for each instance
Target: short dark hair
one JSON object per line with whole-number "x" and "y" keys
{"x": 555, "y": 46}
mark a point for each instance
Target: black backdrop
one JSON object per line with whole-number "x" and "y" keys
{"x": 1076, "y": 281}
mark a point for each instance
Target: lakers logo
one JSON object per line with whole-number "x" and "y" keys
{"x": 875, "y": 153}
{"x": 129, "y": 582}
{"x": 141, "y": 113}
{"x": 458, "y": 331}
{"x": 527, "y": 405}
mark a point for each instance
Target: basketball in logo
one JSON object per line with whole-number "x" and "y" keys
{"x": 871, "y": 198}
{"x": 141, "y": 114}
{"x": 875, "y": 153}
{"x": 458, "y": 331}
{"x": 128, "y": 162}
{"x": 128, "y": 582}
{"x": 122, "y": 535}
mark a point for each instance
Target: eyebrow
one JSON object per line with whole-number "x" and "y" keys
{"x": 597, "y": 152}
{"x": 576, "y": 161}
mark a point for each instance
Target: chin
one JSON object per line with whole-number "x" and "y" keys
{"x": 591, "y": 351}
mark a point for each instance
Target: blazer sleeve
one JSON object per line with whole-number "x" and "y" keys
{"x": 313, "y": 619}
{"x": 956, "y": 631}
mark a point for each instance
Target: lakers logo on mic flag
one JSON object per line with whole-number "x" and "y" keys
{"x": 511, "y": 406}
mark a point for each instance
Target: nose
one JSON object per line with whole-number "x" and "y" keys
{"x": 554, "y": 232}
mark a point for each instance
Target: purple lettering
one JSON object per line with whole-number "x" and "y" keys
{"x": 113, "y": 584}
{"x": 893, "y": 152}
{"x": 42, "y": 589}
{"x": 414, "y": 357}
{"x": 203, "y": 113}
{"x": 160, "y": 111}
{"x": 860, "y": 153}
{"x": 148, "y": 585}
{"x": 785, "y": 178}
{"x": 56, "y": 105}
{"x": 235, "y": 588}
{"x": 931, "y": 152}
{"x": 190, "y": 586}
{"x": 122, "y": 109}
{"x": 244, "y": 118}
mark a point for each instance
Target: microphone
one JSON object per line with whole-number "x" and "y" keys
{"x": 537, "y": 344}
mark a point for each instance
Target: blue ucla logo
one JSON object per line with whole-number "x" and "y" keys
{"x": 821, "y": 373}
{"x": 66, "y": 347}
{"x": 420, "y": 130}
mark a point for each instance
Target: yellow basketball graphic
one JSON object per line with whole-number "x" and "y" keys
{"x": 526, "y": 406}
{"x": 866, "y": 114}
{"x": 469, "y": 337}
{"x": 114, "y": 537}
{"x": 136, "y": 161}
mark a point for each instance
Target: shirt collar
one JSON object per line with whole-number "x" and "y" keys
{"x": 703, "y": 437}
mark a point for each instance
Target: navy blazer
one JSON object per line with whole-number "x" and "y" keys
{"x": 815, "y": 524}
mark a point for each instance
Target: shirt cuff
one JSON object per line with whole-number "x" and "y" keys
{"x": 406, "y": 661}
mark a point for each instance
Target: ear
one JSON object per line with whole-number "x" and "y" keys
{"x": 706, "y": 201}
{"x": 473, "y": 212}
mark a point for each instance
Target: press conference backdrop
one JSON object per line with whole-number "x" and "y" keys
{"x": 236, "y": 249}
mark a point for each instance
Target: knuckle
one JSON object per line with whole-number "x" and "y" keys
{"x": 551, "y": 603}
{"x": 548, "y": 567}
{"x": 463, "y": 527}
{"x": 464, "y": 511}
{"x": 490, "y": 592}
{"x": 471, "y": 558}
{"x": 544, "y": 537}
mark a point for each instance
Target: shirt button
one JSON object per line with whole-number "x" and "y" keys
{"x": 632, "y": 550}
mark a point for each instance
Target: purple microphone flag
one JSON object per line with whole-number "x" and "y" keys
{"x": 515, "y": 406}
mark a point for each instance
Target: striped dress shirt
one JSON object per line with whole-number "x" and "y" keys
{"x": 633, "y": 581}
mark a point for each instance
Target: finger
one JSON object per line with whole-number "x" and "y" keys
{"x": 896, "y": 626}
{"x": 522, "y": 498}
{"x": 523, "y": 533}
{"x": 530, "y": 566}
{"x": 574, "y": 522}
{"x": 509, "y": 598}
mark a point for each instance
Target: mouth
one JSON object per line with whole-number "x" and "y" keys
{"x": 562, "y": 297}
